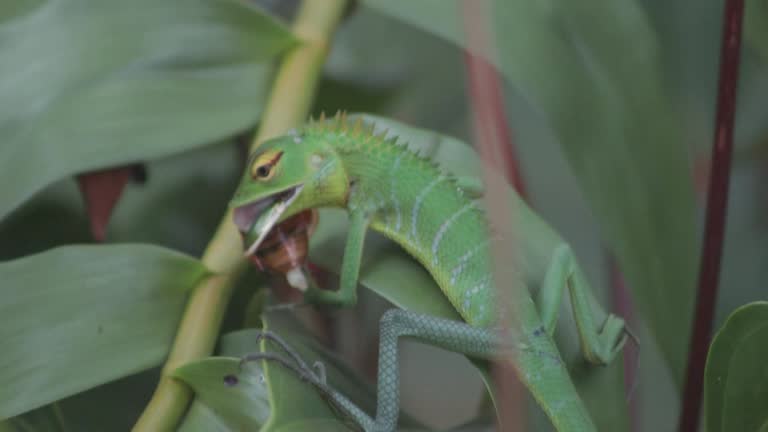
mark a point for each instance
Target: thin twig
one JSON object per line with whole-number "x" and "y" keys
{"x": 717, "y": 202}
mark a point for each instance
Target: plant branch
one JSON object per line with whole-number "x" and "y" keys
{"x": 717, "y": 203}
{"x": 496, "y": 148}
{"x": 486, "y": 93}
{"x": 288, "y": 106}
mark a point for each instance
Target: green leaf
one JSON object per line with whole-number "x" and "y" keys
{"x": 157, "y": 212}
{"x": 756, "y": 26}
{"x": 292, "y": 405}
{"x": 44, "y": 419}
{"x": 233, "y": 399}
{"x": 78, "y": 316}
{"x": 266, "y": 394}
{"x": 406, "y": 86}
{"x": 616, "y": 126}
{"x": 91, "y": 84}
{"x": 736, "y": 376}
{"x": 161, "y": 211}
{"x": 112, "y": 406}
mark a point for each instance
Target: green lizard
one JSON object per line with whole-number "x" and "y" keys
{"x": 387, "y": 188}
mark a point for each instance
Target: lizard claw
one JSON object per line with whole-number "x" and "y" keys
{"x": 283, "y": 345}
{"x": 317, "y": 371}
{"x": 291, "y": 360}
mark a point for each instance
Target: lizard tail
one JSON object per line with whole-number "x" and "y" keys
{"x": 544, "y": 374}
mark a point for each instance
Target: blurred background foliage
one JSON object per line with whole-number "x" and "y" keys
{"x": 93, "y": 84}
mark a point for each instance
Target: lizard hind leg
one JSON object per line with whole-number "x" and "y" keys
{"x": 565, "y": 408}
{"x": 599, "y": 345}
{"x": 316, "y": 376}
{"x": 452, "y": 335}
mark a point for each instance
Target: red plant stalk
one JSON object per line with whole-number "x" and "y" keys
{"x": 496, "y": 148}
{"x": 487, "y": 100}
{"x": 486, "y": 95}
{"x": 717, "y": 201}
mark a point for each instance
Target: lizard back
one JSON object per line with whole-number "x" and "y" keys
{"x": 421, "y": 208}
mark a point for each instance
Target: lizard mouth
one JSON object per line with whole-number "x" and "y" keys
{"x": 257, "y": 218}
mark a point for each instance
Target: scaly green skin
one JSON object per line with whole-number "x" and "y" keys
{"x": 387, "y": 188}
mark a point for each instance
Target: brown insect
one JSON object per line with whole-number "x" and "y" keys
{"x": 284, "y": 251}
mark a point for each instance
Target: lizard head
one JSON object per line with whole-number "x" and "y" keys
{"x": 285, "y": 176}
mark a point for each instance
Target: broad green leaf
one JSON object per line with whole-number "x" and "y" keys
{"x": 266, "y": 395}
{"x": 159, "y": 211}
{"x": 112, "y": 406}
{"x": 756, "y": 26}
{"x": 44, "y": 419}
{"x": 690, "y": 36}
{"x": 426, "y": 86}
{"x": 220, "y": 406}
{"x": 292, "y": 405}
{"x": 616, "y": 126}
{"x": 232, "y": 399}
{"x": 736, "y": 376}
{"x": 88, "y": 84}
{"x": 690, "y": 33}
{"x": 29, "y": 229}
{"x": 78, "y": 316}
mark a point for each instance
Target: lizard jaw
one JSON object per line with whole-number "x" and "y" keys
{"x": 260, "y": 216}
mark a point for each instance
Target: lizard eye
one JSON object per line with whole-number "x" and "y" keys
{"x": 263, "y": 167}
{"x": 263, "y": 171}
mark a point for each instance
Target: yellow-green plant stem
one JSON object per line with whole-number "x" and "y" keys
{"x": 287, "y": 106}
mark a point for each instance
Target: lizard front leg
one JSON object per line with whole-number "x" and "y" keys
{"x": 350, "y": 267}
